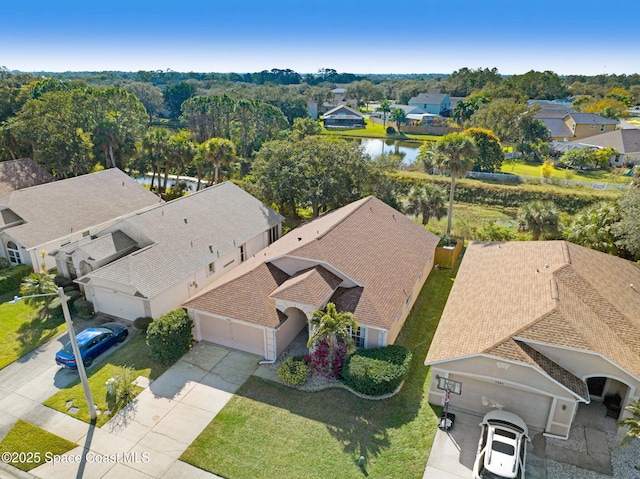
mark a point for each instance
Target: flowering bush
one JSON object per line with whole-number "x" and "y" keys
{"x": 323, "y": 363}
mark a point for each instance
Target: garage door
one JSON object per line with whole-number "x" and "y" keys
{"x": 234, "y": 335}
{"x": 117, "y": 304}
{"x": 482, "y": 397}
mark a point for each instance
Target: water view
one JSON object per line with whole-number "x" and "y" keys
{"x": 408, "y": 150}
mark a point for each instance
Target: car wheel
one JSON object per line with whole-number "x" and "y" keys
{"x": 122, "y": 338}
{"x": 88, "y": 362}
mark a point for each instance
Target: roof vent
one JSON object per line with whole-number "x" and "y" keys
{"x": 299, "y": 238}
{"x": 185, "y": 220}
{"x": 210, "y": 247}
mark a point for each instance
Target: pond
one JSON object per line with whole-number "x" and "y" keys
{"x": 375, "y": 147}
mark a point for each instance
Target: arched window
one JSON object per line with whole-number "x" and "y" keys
{"x": 14, "y": 253}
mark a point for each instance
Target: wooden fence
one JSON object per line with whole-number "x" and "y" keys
{"x": 446, "y": 256}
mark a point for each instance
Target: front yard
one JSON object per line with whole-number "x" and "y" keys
{"x": 135, "y": 354}
{"x": 22, "y": 329}
{"x": 268, "y": 430}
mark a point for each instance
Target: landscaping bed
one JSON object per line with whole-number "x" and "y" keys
{"x": 271, "y": 430}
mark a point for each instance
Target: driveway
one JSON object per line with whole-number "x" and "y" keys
{"x": 146, "y": 438}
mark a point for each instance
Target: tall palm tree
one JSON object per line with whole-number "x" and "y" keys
{"x": 385, "y": 107}
{"x": 454, "y": 152}
{"x": 539, "y": 217}
{"x": 427, "y": 200}
{"x": 36, "y": 284}
{"x": 332, "y": 326}
{"x": 399, "y": 117}
{"x": 219, "y": 152}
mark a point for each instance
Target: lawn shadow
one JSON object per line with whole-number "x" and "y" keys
{"x": 35, "y": 333}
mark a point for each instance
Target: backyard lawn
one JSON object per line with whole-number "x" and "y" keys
{"x": 22, "y": 329}
{"x": 135, "y": 354}
{"x": 533, "y": 168}
{"x": 374, "y": 130}
{"x": 268, "y": 430}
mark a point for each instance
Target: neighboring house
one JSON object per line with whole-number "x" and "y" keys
{"x": 35, "y": 221}
{"x": 150, "y": 262}
{"x": 538, "y": 328}
{"x": 626, "y": 142}
{"x": 20, "y": 174}
{"x": 432, "y": 102}
{"x": 565, "y": 126}
{"x": 343, "y": 117}
{"x": 365, "y": 257}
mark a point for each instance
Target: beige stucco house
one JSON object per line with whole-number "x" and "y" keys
{"x": 539, "y": 329}
{"x": 37, "y": 220}
{"x": 365, "y": 257}
{"x": 151, "y": 261}
{"x": 570, "y": 126}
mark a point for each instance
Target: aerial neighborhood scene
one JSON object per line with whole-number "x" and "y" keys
{"x": 261, "y": 240}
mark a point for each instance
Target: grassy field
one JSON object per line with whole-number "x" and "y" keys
{"x": 532, "y": 168}
{"x": 268, "y": 430}
{"x": 36, "y": 443}
{"x": 22, "y": 329}
{"x": 374, "y": 130}
{"x": 467, "y": 217}
{"x": 134, "y": 354}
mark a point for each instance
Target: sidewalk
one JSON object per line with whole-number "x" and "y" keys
{"x": 146, "y": 438}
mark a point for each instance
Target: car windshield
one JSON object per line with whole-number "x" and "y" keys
{"x": 105, "y": 330}
{"x": 508, "y": 434}
{"x": 68, "y": 349}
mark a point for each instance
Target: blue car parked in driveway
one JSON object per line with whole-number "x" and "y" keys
{"x": 92, "y": 343}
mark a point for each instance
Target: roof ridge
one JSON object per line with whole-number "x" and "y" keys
{"x": 341, "y": 220}
{"x": 64, "y": 180}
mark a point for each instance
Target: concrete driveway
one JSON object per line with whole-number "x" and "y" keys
{"x": 146, "y": 438}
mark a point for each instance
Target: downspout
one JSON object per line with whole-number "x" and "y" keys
{"x": 275, "y": 343}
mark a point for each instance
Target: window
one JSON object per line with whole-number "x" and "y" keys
{"x": 212, "y": 268}
{"x": 85, "y": 234}
{"x": 601, "y": 127}
{"x": 243, "y": 253}
{"x": 65, "y": 241}
{"x": 592, "y": 126}
{"x": 358, "y": 337}
{"x": 14, "y": 253}
{"x": 273, "y": 234}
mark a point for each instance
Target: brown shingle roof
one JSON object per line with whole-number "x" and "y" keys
{"x": 551, "y": 292}
{"x": 368, "y": 242}
{"x": 311, "y": 286}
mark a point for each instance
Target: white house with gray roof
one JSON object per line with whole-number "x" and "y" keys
{"x": 153, "y": 260}
{"x": 37, "y": 220}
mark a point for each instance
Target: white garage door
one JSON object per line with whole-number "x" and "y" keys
{"x": 117, "y": 304}
{"x": 482, "y": 397}
{"x": 234, "y": 335}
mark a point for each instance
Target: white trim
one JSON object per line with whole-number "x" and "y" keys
{"x": 317, "y": 262}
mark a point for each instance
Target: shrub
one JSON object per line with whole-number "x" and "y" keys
{"x": 83, "y": 307}
{"x": 4, "y": 263}
{"x": 142, "y": 323}
{"x": 124, "y": 388}
{"x": 63, "y": 282}
{"x": 391, "y": 130}
{"x": 377, "y": 371}
{"x": 293, "y": 370}
{"x": 169, "y": 336}
{"x": 11, "y": 279}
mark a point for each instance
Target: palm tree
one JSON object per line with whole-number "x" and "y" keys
{"x": 333, "y": 327}
{"x": 385, "y": 107}
{"x": 539, "y": 217}
{"x": 593, "y": 228}
{"x": 632, "y": 422}
{"x": 398, "y": 116}
{"x": 427, "y": 200}
{"x": 218, "y": 151}
{"x": 36, "y": 284}
{"x": 454, "y": 152}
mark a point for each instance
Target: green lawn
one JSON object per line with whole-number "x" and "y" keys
{"x": 36, "y": 443}
{"x": 466, "y": 217}
{"x": 532, "y": 168}
{"x": 268, "y": 430}
{"x": 374, "y": 130}
{"x": 134, "y": 354}
{"x": 22, "y": 329}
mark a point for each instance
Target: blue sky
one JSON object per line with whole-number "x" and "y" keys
{"x": 373, "y": 36}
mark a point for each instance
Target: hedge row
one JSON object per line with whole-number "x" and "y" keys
{"x": 377, "y": 371}
{"x": 476, "y": 192}
{"x": 11, "y": 279}
{"x": 169, "y": 336}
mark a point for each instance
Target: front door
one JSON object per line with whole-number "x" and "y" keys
{"x": 14, "y": 253}
{"x": 596, "y": 386}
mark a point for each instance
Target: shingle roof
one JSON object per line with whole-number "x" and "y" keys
{"x": 591, "y": 118}
{"x": 54, "y": 210}
{"x": 557, "y": 127}
{"x": 429, "y": 98}
{"x": 185, "y": 235}
{"x": 22, "y": 173}
{"x": 342, "y": 111}
{"x": 108, "y": 245}
{"x": 552, "y": 292}
{"x": 377, "y": 247}
{"x": 625, "y": 141}
{"x": 310, "y": 286}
